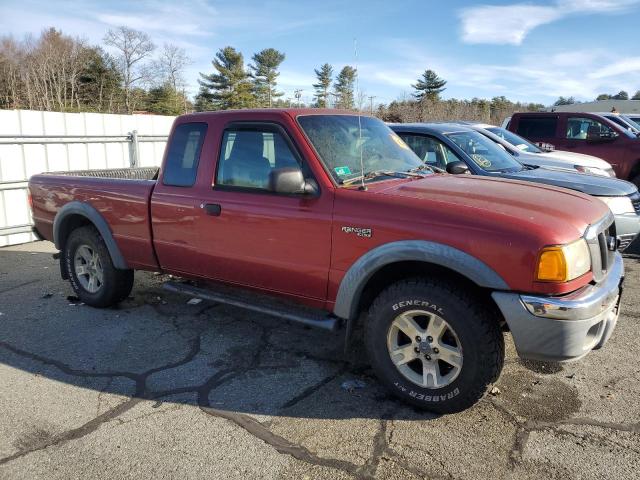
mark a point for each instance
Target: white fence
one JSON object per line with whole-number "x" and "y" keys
{"x": 33, "y": 142}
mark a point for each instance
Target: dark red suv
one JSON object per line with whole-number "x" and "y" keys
{"x": 586, "y": 133}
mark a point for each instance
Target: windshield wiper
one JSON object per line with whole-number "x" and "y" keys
{"x": 374, "y": 174}
{"x": 425, "y": 167}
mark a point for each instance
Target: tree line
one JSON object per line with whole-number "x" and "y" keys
{"x": 57, "y": 72}
{"x": 621, "y": 95}
{"x": 129, "y": 73}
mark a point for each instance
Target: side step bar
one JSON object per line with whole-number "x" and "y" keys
{"x": 261, "y": 304}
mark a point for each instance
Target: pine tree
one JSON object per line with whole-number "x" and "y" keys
{"x": 325, "y": 77}
{"x": 429, "y": 86}
{"x": 165, "y": 100}
{"x": 564, "y": 101}
{"x": 636, "y": 96}
{"x": 265, "y": 73}
{"x": 344, "y": 86}
{"x": 230, "y": 87}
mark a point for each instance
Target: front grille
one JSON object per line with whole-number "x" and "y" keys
{"x": 635, "y": 201}
{"x": 598, "y": 238}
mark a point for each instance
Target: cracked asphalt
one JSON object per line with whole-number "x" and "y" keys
{"x": 157, "y": 388}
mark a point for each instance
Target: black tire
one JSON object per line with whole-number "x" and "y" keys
{"x": 117, "y": 284}
{"x": 478, "y": 334}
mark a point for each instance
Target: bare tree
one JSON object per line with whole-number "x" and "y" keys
{"x": 171, "y": 64}
{"x": 11, "y": 85}
{"x": 169, "y": 70}
{"x": 133, "y": 47}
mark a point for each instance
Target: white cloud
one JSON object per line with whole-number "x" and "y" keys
{"x": 626, "y": 66}
{"x": 504, "y": 25}
{"x": 510, "y": 24}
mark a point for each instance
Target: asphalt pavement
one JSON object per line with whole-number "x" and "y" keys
{"x": 159, "y": 388}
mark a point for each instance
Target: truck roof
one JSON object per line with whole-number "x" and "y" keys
{"x": 291, "y": 112}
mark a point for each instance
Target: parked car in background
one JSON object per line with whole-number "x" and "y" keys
{"x": 529, "y": 154}
{"x": 634, "y": 117}
{"x": 587, "y": 133}
{"x": 460, "y": 149}
{"x": 328, "y": 218}
{"x": 622, "y": 120}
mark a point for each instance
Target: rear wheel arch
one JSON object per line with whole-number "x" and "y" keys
{"x": 78, "y": 214}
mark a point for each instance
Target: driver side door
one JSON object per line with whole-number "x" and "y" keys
{"x": 252, "y": 236}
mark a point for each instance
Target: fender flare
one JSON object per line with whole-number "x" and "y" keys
{"x": 98, "y": 221}
{"x": 362, "y": 270}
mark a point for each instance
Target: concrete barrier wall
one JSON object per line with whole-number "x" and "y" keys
{"x": 19, "y": 160}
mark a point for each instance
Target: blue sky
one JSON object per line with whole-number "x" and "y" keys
{"x": 527, "y": 51}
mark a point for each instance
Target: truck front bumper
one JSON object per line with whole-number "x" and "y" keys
{"x": 564, "y": 328}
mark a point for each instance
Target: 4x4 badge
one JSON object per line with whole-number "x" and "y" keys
{"x": 360, "y": 232}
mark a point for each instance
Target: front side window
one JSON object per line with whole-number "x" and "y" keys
{"x": 484, "y": 152}
{"x": 431, "y": 151}
{"x": 537, "y": 127}
{"x": 578, "y": 128}
{"x": 515, "y": 140}
{"x": 181, "y": 167}
{"x": 249, "y": 155}
{"x": 342, "y": 141}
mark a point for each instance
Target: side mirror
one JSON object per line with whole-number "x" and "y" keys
{"x": 291, "y": 181}
{"x": 457, "y": 167}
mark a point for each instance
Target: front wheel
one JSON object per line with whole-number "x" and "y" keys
{"x": 433, "y": 345}
{"x": 93, "y": 277}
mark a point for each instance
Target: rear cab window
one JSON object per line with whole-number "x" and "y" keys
{"x": 183, "y": 155}
{"x": 537, "y": 127}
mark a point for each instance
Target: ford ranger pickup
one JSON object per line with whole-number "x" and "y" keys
{"x": 328, "y": 218}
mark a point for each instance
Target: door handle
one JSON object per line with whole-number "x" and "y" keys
{"x": 212, "y": 209}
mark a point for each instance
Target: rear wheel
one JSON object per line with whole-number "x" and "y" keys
{"x": 432, "y": 345}
{"x": 93, "y": 277}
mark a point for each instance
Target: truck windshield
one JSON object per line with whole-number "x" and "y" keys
{"x": 515, "y": 140}
{"x": 484, "y": 152}
{"x": 340, "y": 140}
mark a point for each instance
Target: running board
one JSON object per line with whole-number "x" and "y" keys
{"x": 261, "y": 304}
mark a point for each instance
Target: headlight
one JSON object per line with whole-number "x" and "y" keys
{"x": 593, "y": 171}
{"x": 562, "y": 263}
{"x": 619, "y": 204}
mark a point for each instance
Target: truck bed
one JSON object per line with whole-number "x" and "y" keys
{"x": 143, "y": 173}
{"x": 121, "y": 196}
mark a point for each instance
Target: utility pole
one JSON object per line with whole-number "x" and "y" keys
{"x": 371, "y": 97}
{"x": 298, "y": 94}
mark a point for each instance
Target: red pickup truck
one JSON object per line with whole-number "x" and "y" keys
{"x": 329, "y": 219}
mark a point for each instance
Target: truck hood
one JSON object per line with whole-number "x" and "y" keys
{"x": 596, "y": 185}
{"x": 524, "y": 205}
{"x": 575, "y": 159}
